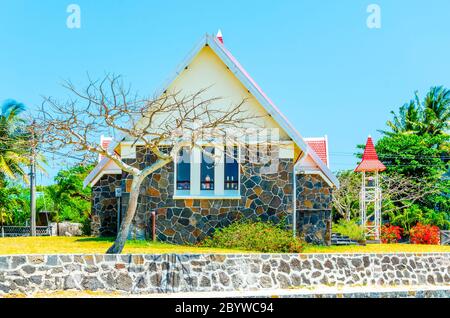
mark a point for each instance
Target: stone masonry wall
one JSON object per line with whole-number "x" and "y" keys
{"x": 314, "y": 199}
{"x": 268, "y": 197}
{"x": 213, "y": 272}
{"x": 104, "y": 206}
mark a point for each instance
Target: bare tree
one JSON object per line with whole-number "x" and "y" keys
{"x": 346, "y": 197}
{"x": 161, "y": 124}
{"x": 399, "y": 192}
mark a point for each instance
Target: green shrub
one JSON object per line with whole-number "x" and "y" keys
{"x": 255, "y": 236}
{"x": 349, "y": 228}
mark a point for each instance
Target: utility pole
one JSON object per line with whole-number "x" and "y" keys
{"x": 33, "y": 182}
{"x": 1, "y": 220}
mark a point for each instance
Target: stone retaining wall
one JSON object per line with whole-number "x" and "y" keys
{"x": 217, "y": 272}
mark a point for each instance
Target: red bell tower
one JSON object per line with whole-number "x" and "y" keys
{"x": 370, "y": 196}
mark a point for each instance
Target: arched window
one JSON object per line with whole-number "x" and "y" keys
{"x": 184, "y": 169}
{"x": 207, "y": 173}
{"x": 207, "y": 169}
{"x": 231, "y": 175}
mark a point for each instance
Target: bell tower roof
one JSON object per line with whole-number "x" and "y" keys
{"x": 370, "y": 161}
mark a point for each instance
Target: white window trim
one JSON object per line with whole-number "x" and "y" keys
{"x": 219, "y": 192}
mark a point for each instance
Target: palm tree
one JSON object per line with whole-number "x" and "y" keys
{"x": 436, "y": 111}
{"x": 408, "y": 121}
{"x": 429, "y": 116}
{"x": 14, "y": 148}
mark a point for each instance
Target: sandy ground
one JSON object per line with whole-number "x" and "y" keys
{"x": 340, "y": 292}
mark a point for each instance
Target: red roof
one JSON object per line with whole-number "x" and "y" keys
{"x": 370, "y": 160}
{"x": 320, "y": 147}
{"x": 104, "y": 142}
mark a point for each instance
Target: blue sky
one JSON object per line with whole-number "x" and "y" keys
{"x": 317, "y": 60}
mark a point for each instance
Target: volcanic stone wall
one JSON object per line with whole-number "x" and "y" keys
{"x": 104, "y": 206}
{"x": 264, "y": 196}
{"x": 314, "y": 199}
{"x": 217, "y": 272}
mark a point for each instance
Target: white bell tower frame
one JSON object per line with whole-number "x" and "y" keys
{"x": 370, "y": 200}
{"x": 370, "y": 195}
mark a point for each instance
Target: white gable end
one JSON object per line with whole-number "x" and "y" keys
{"x": 207, "y": 70}
{"x": 211, "y": 65}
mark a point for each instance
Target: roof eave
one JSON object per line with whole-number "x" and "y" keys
{"x": 93, "y": 174}
{"x": 219, "y": 49}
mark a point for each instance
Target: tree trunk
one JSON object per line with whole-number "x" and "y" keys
{"x": 122, "y": 236}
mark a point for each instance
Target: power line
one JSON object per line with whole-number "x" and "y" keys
{"x": 347, "y": 154}
{"x": 63, "y": 155}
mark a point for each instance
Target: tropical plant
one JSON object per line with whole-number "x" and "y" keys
{"x": 416, "y": 152}
{"x": 407, "y": 218}
{"x": 417, "y": 164}
{"x": 14, "y": 148}
{"x": 430, "y": 116}
{"x": 69, "y": 199}
{"x": 408, "y": 120}
{"x": 436, "y": 111}
{"x": 349, "y": 228}
{"x": 412, "y": 155}
{"x": 14, "y": 208}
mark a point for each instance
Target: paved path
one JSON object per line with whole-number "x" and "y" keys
{"x": 322, "y": 291}
{"x": 317, "y": 292}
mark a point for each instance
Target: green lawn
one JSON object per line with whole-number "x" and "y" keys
{"x": 88, "y": 245}
{"x": 379, "y": 248}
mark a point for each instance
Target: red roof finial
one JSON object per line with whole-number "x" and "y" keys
{"x": 104, "y": 143}
{"x": 219, "y": 36}
{"x": 370, "y": 160}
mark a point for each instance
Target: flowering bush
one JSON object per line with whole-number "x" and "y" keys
{"x": 255, "y": 236}
{"x": 424, "y": 234}
{"x": 391, "y": 233}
